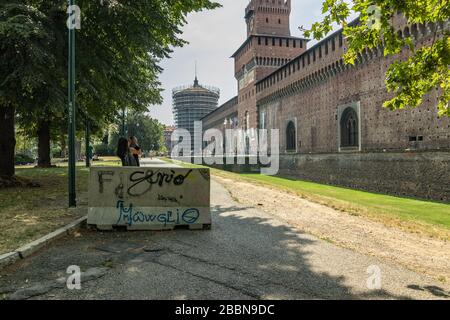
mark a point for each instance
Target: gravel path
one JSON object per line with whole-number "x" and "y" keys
{"x": 414, "y": 251}
{"x": 248, "y": 254}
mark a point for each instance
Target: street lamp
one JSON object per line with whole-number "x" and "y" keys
{"x": 71, "y": 103}
{"x": 87, "y": 142}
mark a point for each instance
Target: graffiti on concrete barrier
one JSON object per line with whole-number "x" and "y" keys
{"x": 151, "y": 177}
{"x": 102, "y": 179}
{"x": 168, "y": 198}
{"x": 119, "y": 189}
{"x": 130, "y": 216}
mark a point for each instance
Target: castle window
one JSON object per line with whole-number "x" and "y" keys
{"x": 281, "y": 42}
{"x": 273, "y": 41}
{"x": 326, "y": 47}
{"x": 262, "y": 120}
{"x": 267, "y": 20}
{"x": 301, "y": 44}
{"x": 247, "y": 120}
{"x": 267, "y": 41}
{"x": 349, "y": 128}
{"x": 291, "y": 137}
{"x": 341, "y": 40}
{"x": 295, "y": 43}
{"x": 333, "y": 45}
{"x": 287, "y": 43}
{"x": 279, "y": 21}
{"x": 259, "y": 41}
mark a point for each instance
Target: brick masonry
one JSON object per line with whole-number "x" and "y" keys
{"x": 414, "y": 174}
{"x": 313, "y": 88}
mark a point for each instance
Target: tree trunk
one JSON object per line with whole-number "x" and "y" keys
{"x": 43, "y": 133}
{"x": 7, "y": 141}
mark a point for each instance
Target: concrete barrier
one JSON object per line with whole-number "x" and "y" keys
{"x": 149, "y": 198}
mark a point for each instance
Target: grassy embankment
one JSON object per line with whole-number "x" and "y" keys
{"x": 30, "y": 213}
{"x": 431, "y": 218}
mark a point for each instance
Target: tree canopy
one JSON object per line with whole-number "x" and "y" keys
{"x": 119, "y": 48}
{"x": 427, "y": 66}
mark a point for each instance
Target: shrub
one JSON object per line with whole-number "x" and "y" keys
{"x": 22, "y": 159}
{"x": 104, "y": 150}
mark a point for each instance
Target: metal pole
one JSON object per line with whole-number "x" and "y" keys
{"x": 88, "y": 149}
{"x": 124, "y": 130}
{"x": 72, "y": 113}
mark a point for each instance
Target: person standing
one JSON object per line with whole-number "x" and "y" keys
{"x": 136, "y": 151}
{"x": 124, "y": 153}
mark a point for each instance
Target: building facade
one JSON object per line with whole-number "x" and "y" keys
{"x": 168, "y": 130}
{"x": 333, "y": 128}
{"x": 192, "y": 103}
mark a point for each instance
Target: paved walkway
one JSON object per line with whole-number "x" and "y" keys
{"x": 248, "y": 254}
{"x": 154, "y": 162}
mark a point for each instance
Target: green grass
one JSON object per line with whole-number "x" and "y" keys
{"x": 30, "y": 213}
{"x": 432, "y": 218}
{"x": 433, "y": 213}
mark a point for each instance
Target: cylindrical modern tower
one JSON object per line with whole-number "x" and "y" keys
{"x": 192, "y": 103}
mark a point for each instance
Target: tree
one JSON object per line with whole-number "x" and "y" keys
{"x": 427, "y": 66}
{"x": 23, "y": 68}
{"x": 148, "y": 131}
{"x": 119, "y": 48}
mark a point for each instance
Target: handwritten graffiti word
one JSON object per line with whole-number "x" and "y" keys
{"x": 102, "y": 179}
{"x": 129, "y": 216}
{"x": 154, "y": 177}
{"x": 167, "y": 199}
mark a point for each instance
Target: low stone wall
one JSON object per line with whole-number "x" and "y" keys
{"x": 423, "y": 175}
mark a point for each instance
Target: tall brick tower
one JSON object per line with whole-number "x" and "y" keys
{"x": 268, "y": 17}
{"x": 268, "y": 46}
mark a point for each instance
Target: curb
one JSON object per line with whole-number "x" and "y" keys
{"x": 30, "y": 248}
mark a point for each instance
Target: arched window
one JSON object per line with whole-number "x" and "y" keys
{"x": 291, "y": 137}
{"x": 349, "y": 128}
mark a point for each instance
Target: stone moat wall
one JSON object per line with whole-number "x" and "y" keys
{"x": 424, "y": 175}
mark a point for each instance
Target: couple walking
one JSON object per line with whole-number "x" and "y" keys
{"x": 128, "y": 151}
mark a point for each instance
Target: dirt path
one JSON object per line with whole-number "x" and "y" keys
{"x": 416, "y": 252}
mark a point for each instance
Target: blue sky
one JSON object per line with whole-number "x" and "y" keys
{"x": 213, "y": 37}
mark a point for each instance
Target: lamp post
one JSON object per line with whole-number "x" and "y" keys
{"x": 71, "y": 106}
{"x": 87, "y": 142}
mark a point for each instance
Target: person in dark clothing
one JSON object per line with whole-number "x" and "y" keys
{"x": 123, "y": 152}
{"x": 135, "y": 149}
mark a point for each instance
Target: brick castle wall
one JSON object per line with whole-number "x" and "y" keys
{"x": 404, "y": 152}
